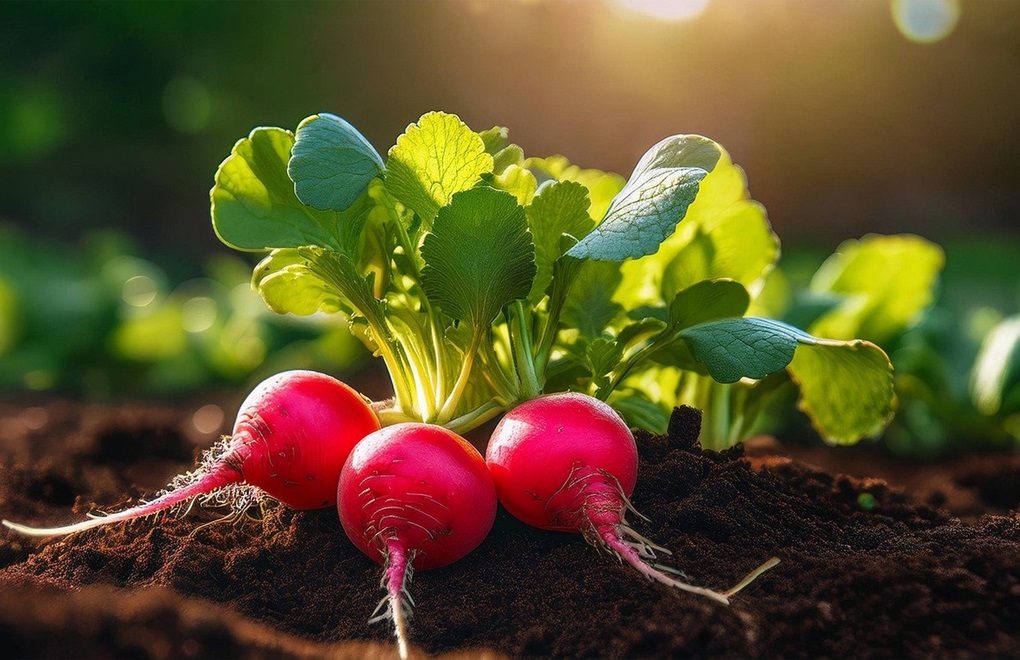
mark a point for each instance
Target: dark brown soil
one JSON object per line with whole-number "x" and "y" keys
{"x": 867, "y": 569}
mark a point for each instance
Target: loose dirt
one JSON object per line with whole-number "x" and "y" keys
{"x": 867, "y": 569}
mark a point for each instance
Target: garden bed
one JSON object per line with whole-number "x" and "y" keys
{"x": 868, "y": 569}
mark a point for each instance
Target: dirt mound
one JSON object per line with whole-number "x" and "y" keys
{"x": 866, "y": 571}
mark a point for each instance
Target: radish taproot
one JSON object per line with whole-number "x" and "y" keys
{"x": 568, "y": 462}
{"x": 414, "y": 496}
{"x": 292, "y": 436}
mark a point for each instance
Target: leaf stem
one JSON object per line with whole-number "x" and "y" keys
{"x": 476, "y": 417}
{"x": 462, "y": 378}
{"x": 621, "y": 372}
{"x": 524, "y": 358}
{"x": 495, "y": 375}
{"x": 564, "y": 270}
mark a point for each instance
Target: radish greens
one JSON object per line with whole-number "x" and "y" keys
{"x": 484, "y": 278}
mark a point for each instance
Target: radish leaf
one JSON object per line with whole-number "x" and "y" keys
{"x": 589, "y": 306}
{"x": 561, "y": 208}
{"x": 434, "y": 159}
{"x": 254, "y": 207}
{"x": 286, "y": 284}
{"x": 655, "y": 199}
{"x": 846, "y": 388}
{"x": 708, "y": 300}
{"x": 331, "y": 163}
{"x": 483, "y": 278}
{"x": 751, "y": 347}
{"x": 518, "y": 181}
{"x": 602, "y": 186}
{"x": 479, "y": 256}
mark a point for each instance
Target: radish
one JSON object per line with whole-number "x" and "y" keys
{"x": 290, "y": 440}
{"x": 414, "y": 494}
{"x": 567, "y": 462}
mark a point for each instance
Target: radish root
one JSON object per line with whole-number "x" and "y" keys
{"x": 398, "y": 603}
{"x": 603, "y": 508}
{"x": 217, "y": 482}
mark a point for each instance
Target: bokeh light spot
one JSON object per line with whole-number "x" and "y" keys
{"x": 666, "y": 10}
{"x": 35, "y": 418}
{"x": 198, "y": 314}
{"x": 139, "y": 291}
{"x": 40, "y": 379}
{"x": 208, "y": 418}
{"x": 187, "y": 104}
{"x": 36, "y": 124}
{"x": 925, "y": 21}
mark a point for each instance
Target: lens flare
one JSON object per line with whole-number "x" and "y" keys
{"x": 925, "y": 21}
{"x": 666, "y": 10}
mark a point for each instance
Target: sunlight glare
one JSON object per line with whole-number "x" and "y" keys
{"x": 925, "y": 21}
{"x": 666, "y": 10}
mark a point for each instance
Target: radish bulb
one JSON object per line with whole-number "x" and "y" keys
{"x": 414, "y": 496}
{"x": 291, "y": 438}
{"x": 568, "y": 462}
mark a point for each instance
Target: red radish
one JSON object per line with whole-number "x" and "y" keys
{"x": 414, "y": 494}
{"x": 568, "y": 462}
{"x": 291, "y": 438}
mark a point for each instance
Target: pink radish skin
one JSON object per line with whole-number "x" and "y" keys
{"x": 291, "y": 438}
{"x": 568, "y": 462}
{"x": 414, "y": 494}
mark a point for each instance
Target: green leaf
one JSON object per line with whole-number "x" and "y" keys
{"x": 589, "y": 306}
{"x": 725, "y": 234}
{"x": 997, "y": 367}
{"x": 307, "y": 280}
{"x": 655, "y": 199}
{"x": 602, "y": 186}
{"x": 331, "y": 163}
{"x": 517, "y": 181}
{"x": 601, "y": 356}
{"x": 885, "y": 283}
{"x": 706, "y": 301}
{"x": 254, "y": 207}
{"x": 640, "y": 412}
{"x": 339, "y": 271}
{"x": 560, "y": 208}
{"x": 479, "y": 256}
{"x": 846, "y": 388}
{"x": 434, "y": 159}
{"x": 736, "y": 243}
{"x": 709, "y": 300}
{"x": 504, "y": 158}
{"x": 495, "y": 139}
{"x": 287, "y": 285}
{"x": 750, "y": 347}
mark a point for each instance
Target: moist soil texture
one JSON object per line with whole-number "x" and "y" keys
{"x": 867, "y": 569}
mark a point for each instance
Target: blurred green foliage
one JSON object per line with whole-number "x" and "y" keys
{"x": 110, "y": 111}
{"x": 101, "y": 320}
{"x": 957, "y": 365}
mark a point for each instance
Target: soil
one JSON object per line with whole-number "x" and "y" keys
{"x": 895, "y": 566}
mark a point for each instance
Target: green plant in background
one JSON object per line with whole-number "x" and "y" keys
{"x": 957, "y": 368}
{"x": 995, "y": 378}
{"x": 483, "y": 278}
{"x": 955, "y": 358}
{"x": 102, "y": 321}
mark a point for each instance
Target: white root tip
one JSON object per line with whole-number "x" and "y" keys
{"x": 637, "y": 554}
{"x": 751, "y": 577}
{"x": 41, "y": 532}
